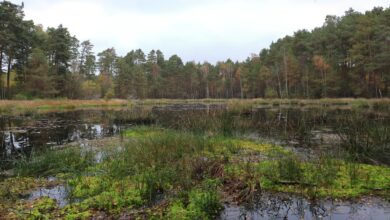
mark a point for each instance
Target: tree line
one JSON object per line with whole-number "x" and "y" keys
{"x": 349, "y": 56}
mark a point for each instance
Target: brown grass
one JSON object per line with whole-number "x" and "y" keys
{"x": 15, "y": 106}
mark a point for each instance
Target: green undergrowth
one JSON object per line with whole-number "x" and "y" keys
{"x": 14, "y": 188}
{"x": 202, "y": 203}
{"x": 52, "y": 162}
{"x": 339, "y": 180}
{"x": 164, "y": 173}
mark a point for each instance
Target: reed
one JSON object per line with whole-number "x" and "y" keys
{"x": 184, "y": 166}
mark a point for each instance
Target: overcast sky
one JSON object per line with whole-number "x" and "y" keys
{"x": 196, "y": 30}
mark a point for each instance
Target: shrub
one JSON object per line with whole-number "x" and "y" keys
{"x": 21, "y": 96}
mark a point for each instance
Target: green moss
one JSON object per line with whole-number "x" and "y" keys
{"x": 178, "y": 211}
{"x": 14, "y": 188}
{"x": 84, "y": 187}
{"x": 189, "y": 170}
{"x": 105, "y": 194}
{"x": 75, "y": 212}
{"x": 42, "y": 208}
{"x": 235, "y": 144}
{"x": 113, "y": 202}
{"x": 203, "y": 203}
{"x": 369, "y": 179}
{"x": 143, "y": 132}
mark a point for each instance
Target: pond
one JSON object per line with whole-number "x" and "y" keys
{"x": 291, "y": 126}
{"x": 308, "y": 131}
{"x": 24, "y": 133}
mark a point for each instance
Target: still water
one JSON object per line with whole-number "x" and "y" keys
{"x": 282, "y": 206}
{"x": 307, "y": 130}
{"x": 293, "y": 127}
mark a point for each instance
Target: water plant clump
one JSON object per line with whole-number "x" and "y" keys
{"x": 52, "y": 162}
{"x": 175, "y": 165}
{"x": 366, "y": 141}
{"x": 166, "y": 174}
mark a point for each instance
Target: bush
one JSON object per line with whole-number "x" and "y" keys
{"x": 109, "y": 95}
{"x": 20, "y": 96}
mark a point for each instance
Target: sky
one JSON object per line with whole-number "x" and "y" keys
{"x": 196, "y": 30}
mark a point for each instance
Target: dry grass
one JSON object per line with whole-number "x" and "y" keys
{"x": 14, "y": 106}
{"x": 265, "y": 101}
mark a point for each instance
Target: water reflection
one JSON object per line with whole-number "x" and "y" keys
{"x": 304, "y": 129}
{"x": 291, "y": 207}
{"x": 19, "y": 135}
{"x": 14, "y": 141}
{"x": 58, "y": 193}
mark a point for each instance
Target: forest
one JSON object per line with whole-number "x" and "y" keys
{"x": 348, "y": 56}
{"x": 298, "y": 130}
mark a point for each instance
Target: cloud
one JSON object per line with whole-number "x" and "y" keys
{"x": 194, "y": 29}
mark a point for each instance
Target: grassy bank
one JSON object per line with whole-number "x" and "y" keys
{"x": 163, "y": 173}
{"x": 16, "y": 106}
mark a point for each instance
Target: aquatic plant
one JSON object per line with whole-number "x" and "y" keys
{"x": 182, "y": 167}
{"x": 52, "y": 162}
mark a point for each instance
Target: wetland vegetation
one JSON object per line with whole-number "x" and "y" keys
{"x": 188, "y": 159}
{"x": 298, "y": 130}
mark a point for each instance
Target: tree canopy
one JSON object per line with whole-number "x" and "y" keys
{"x": 348, "y": 56}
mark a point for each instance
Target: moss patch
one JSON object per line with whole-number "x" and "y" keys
{"x": 164, "y": 173}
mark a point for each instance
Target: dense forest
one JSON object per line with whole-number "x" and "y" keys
{"x": 348, "y": 56}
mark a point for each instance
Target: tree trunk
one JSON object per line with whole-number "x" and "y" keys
{"x": 307, "y": 83}
{"x": 279, "y": 85}
{"x": 324, "y": 78}
{"x": 285, "y": 71}
{"x": 1, "y": 74}
{"x": 1, "y": 62}
{"x": 207, "y": 89}
{"x": 241, "y": 92}
{"x": 8, "y": 77}
{"x": 231, "y": 84}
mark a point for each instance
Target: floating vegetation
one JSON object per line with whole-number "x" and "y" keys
{"x": 180, "y": 166}
{"x": 144, "y": 174}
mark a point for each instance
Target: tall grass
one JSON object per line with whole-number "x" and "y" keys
{"x": 163, "y": 165}
{"x": 52, "y": 162}
{"x": 16, "y": 107}
{"x": 365, "y": 139}
{"x": 197, "y": 155}
{"x": 160, "y": 162}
